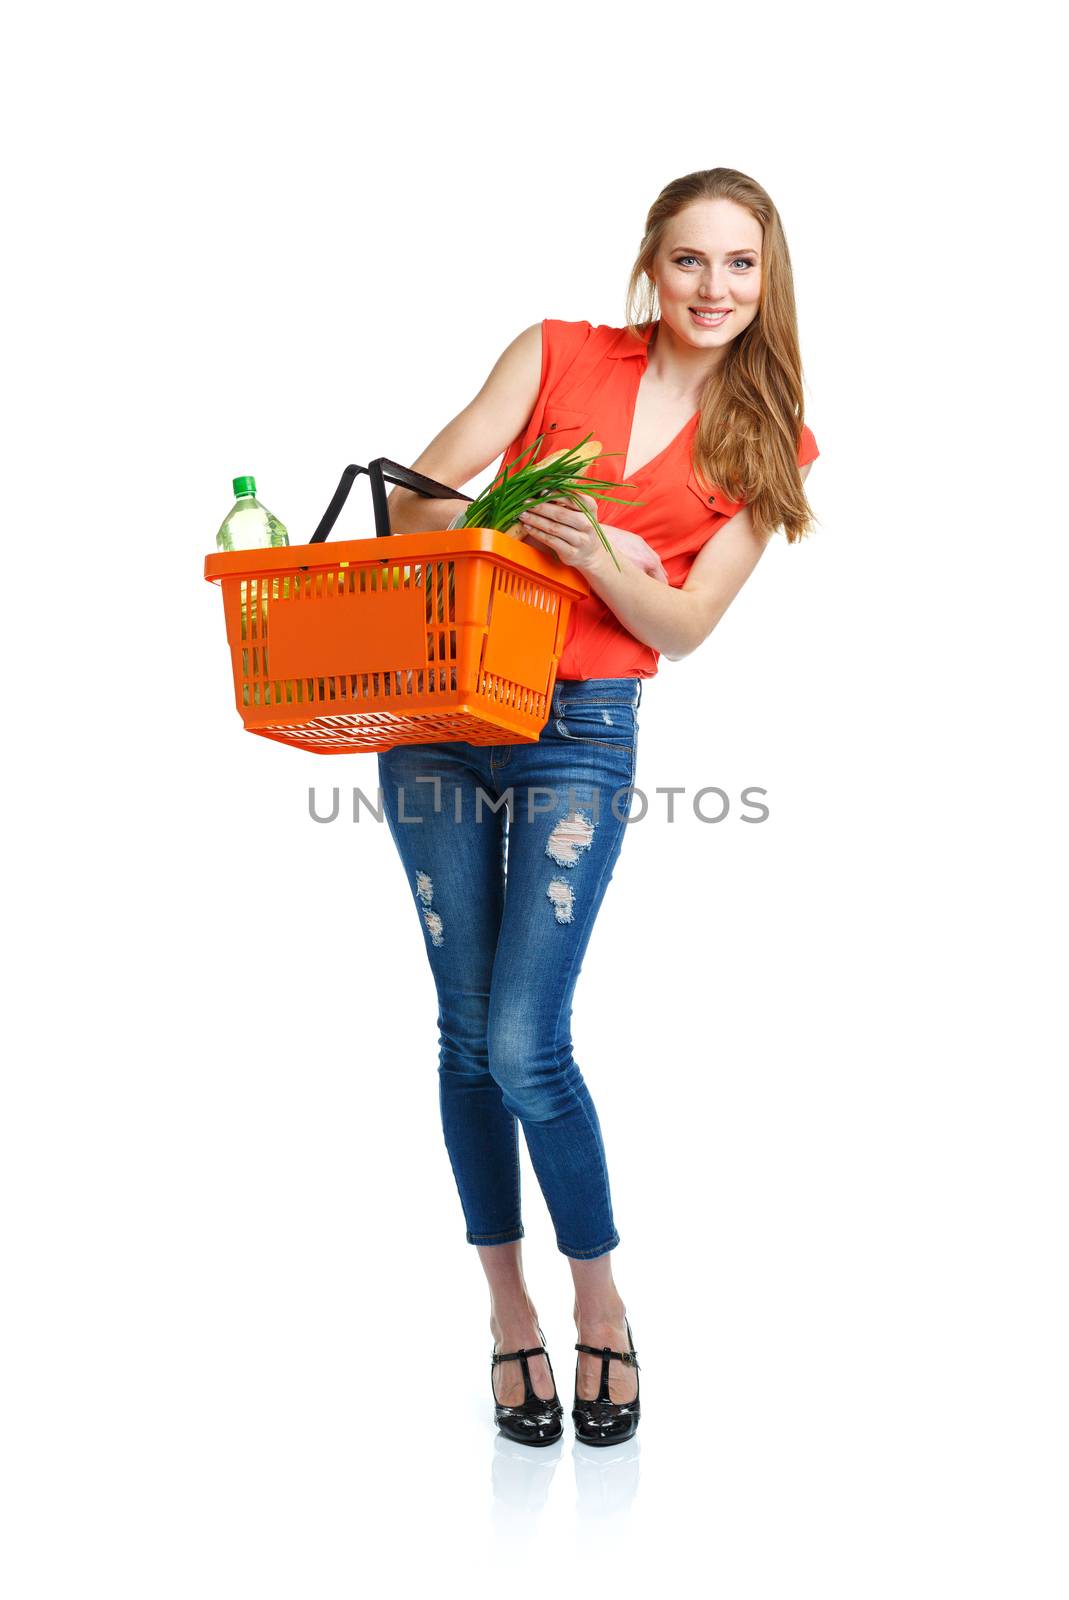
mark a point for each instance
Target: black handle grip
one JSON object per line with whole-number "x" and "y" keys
{"x": 382, "y": 471}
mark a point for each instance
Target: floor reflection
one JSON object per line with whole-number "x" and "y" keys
{"x": 520, "y": 1477}
{"x": 606, "y": 1479}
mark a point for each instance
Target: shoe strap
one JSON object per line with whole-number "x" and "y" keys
{"x": 518, "y": 1355}
{"x": 529, "y": 1395}
{"x": 628, "y": 1357}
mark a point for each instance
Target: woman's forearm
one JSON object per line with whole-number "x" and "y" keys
{"x": 660, "y": 616}
{"x": 414, "y": 513}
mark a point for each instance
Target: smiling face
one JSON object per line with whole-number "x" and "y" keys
{"x": 710, "y": 258}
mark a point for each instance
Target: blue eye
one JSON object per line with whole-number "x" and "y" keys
{"x": 744, "y": 259}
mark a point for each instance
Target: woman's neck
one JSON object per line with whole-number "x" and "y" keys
{"x": 678, "y": 369}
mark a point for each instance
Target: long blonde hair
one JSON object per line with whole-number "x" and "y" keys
{"x": 752, "y": 407}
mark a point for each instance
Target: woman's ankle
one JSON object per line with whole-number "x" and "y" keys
{"x": 601, "y": 1314}
{"x": 518, "y": 1320}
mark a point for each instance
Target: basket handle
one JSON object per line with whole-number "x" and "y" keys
{"x": 382, "y": 471}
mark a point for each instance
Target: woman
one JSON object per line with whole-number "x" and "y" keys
{"x": 702, "y": 404}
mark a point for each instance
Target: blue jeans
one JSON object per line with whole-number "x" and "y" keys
{"x": 508, "y": 850}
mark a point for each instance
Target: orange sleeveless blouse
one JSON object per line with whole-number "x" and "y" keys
{"x": 590, "y": 379}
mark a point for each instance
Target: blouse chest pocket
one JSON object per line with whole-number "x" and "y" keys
{"x": 714, "y": 500}
{"x": 564, "y": 428}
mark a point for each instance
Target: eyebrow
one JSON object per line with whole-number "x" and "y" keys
{"x": 744, "y": 250}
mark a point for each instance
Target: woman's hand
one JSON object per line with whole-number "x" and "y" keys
{"x": 633, "y": 547}
{"x": 565, "y": 531}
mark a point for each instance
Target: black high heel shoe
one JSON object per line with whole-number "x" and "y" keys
{"x": 536, "y": 1421}
{"x": 601, "y": 1420}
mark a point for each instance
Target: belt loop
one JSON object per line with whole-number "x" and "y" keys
{"x": 638, "y": 701}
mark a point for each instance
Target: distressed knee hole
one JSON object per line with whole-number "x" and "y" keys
{"x": 561, "y": 898}
{"x": 571, "y": 834}
{"x": 425, "y": 890}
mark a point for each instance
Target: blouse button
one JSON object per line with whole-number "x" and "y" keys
{"x": 711, "y": 499}
{"x": 552, "y": 426}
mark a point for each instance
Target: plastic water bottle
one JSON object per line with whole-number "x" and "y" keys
{"x": 250, "y": 526}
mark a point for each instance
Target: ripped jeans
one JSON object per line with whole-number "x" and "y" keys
{"x": 508, "y": 850}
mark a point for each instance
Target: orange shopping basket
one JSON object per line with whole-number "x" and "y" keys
{"x": 452, "y": 634}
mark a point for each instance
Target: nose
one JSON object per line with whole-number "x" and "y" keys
{"x": 714, "y": 284}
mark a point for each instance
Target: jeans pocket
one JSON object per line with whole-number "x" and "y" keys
{"x": 609, "y": 723}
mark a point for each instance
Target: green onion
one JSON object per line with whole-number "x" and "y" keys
{"x": 560, "y": 477}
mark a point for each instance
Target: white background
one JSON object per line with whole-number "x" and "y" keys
{"x": 246, "y": 1347}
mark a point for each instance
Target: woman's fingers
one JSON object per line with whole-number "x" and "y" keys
{"x": 535, "y": 522}
{"x": 551, "y": 515}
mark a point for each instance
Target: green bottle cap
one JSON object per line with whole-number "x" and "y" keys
{"x": 244, "y": 486}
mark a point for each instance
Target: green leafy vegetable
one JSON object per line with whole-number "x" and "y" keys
{"x": 560, "y": 476}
